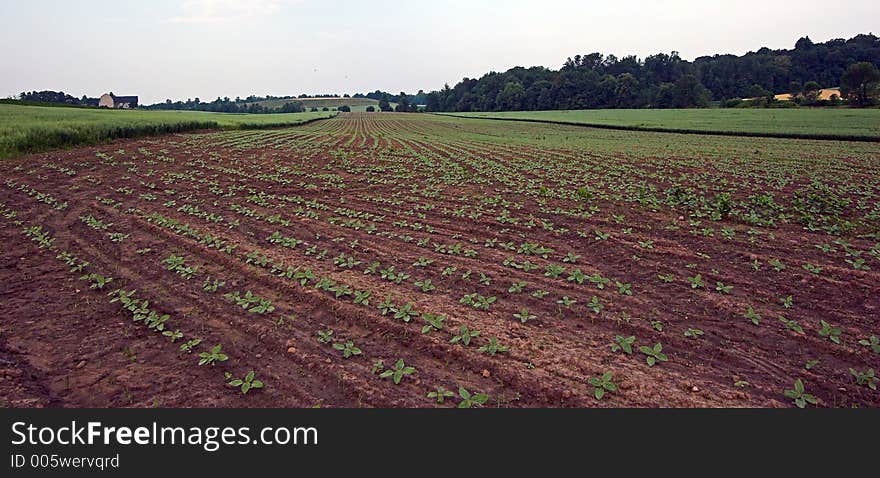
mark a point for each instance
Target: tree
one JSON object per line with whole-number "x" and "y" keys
{"x": 384, "y": 105}
{"x": 665, "y": 96}
{"x": 510, "y": 98}
{"x": 860, "y": 83}
{"x": 810, "y": 93}
{"x": 758, "y": 91}
{"x": 690, "y": 93}
{"x": 345, "y": 109}
{"x": 627, "y": 91}
{"x": 370, "y": 109}
{"x": 402, "y": 103}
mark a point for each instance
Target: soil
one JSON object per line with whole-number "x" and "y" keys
{"x": 64, "y": 344}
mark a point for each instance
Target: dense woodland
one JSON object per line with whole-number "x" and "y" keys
{"x": 659, "y": 81}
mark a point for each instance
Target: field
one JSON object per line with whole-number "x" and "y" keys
{"x": 356, "y": 104}
{"x": 27, "y": 129}
{"x": 841, "y": 123}
{"x": 411, "y": 260}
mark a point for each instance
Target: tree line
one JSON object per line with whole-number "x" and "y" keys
{"x": 595, "y": 80}
{"x": 668, "y": 81}
{"x": 238, "y": 105}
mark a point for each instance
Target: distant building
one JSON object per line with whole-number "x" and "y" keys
{"x": 824, "y": 94}
{"x": 109, "y": 100}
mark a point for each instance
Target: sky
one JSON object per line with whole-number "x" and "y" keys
{"x": 183, "y": 49}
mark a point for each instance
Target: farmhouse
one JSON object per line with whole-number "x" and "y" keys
{"x": 109, "y": 100}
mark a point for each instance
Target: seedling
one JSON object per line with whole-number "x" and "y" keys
{"x": 667, "y": 278}
{"x": 348, "y": 349}
{"x": 399, "y": 371}
{"x": 215, "y": 355}
{"x": 464, "y": 336}
{"x": 98, "y": 281}
{"x": 696, "y": 281}
{"x": 325, "y": 336}
{"x": 516, "y": 287}
{"x": 362, "y": 297}
{"x": 423, "y": 262}
{"x": 657, "y": 325}
{"x": 654, "y": 354}
{"x": 623, "y": 288}
{"x": 211, "y": 285}
{"x": 693, "y": 333}
{"x": 173, "y": 335}
{"x": 493, "y": 347}
{"x": 246, "y": 384}
{"x": 811, "y": 363}
{"x": 571, "y": 258}
{"x": 752, "y": 316}
{"x": 524, "y": 316}
{"x": 470, "y": 400}
{"x": 787, "y": 301}
{"x": 722, "y": 288}
{"x": 800, "y": 396}
{"x": 387, "y": 306}
{"x": 603, "y": 384}
{"x": 624, "y": 344}
{"x": 554, "y": 271}
{"x": 866, "y": 378}
{"x": 595, "y": 305}
{"x": 872, "y": 342}
{"x": 791, "y": 325}
{"x": 858, "y": 264}
{"x": 406, "y": 312}
{"x": 829, "y": 332}
{"x": 440, "y": 394}
{"x": 599, "y": 280}
{"x": 188, "y": 346}
{"x": 434, "y": 322}
{"x": 425, "y": 285}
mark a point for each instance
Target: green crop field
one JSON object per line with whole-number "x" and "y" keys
{"x": 29, "y": 129}
{"x": 820, "y": 123}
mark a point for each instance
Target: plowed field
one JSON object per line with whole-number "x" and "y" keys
{"x": 368, "y": 259}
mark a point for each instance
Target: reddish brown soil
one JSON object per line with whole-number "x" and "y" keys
{"x": 64, "y": 344}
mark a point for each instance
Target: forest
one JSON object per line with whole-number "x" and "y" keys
{"x": 594, "y": 80}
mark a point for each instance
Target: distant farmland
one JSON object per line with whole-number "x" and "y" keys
{"x": 356, "y": 104}
{"x": 825, "y": 123}
{"x": 29, "y": 129}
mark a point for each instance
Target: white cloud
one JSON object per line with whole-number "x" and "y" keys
{"x": 221, "y": 11}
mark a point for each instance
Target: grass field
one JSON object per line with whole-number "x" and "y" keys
{"x": 415, "y": 260}
{"x": 820, "y": 123}
{"x": 29, "y": 129}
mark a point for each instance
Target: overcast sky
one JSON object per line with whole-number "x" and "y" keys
{"x": 182, "y": 49}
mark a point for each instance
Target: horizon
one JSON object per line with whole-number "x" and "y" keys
{"x": 182, "y": 49}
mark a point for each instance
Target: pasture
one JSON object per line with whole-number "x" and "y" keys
{"x": 829, "y": 123}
